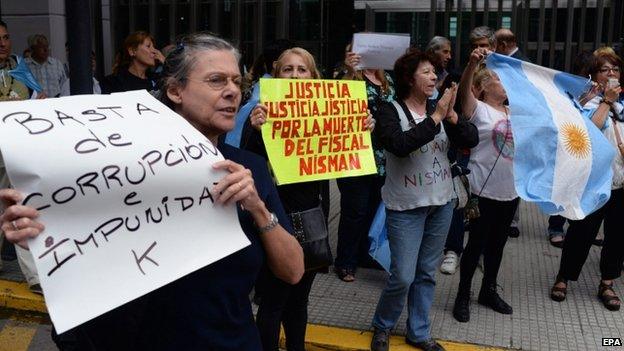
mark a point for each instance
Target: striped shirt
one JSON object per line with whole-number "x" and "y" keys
{"x": 50, "y": 75}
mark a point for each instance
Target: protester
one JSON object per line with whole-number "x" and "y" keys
{"x": 507, "y": 45}
{"x": 483, "y": 38}
{"x": 208, "y": 309}
{"x": 608, "y": 115}
{"x": 360, "y": 196}
{"x": 417, "y": 214}
{"x": 18, "y": 83}
{"x": 491, "y": 181}
{"x": 48, "y": 71}
{"x": 131, "y": 70}
{"x": 439, "y": 48}
{"x": 281, "y": 302}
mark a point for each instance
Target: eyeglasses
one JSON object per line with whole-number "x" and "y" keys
{"x": 605, "y": 70}
{"x": 220, "y": 81}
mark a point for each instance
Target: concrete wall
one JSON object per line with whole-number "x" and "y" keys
{"x": 27, "y": 17}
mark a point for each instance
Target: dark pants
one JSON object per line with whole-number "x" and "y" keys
{"x": 455, "y": 238}
{"x": 359, "y": 200}
{"x": 488, "y": 235}
{"x": 582, "y": 233}
{"x": 286, "y": 304}
{"x": 555, "y": 224}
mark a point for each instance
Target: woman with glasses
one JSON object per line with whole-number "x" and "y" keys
{"x": 605, "y": 99}
{"x": 208, "y": 309}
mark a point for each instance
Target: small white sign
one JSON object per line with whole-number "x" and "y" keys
{"x": 122, "y": 185}
{"x": 379, "y": 50}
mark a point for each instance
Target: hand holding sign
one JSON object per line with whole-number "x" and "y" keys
{"x": 19, "y": 223}
{"x": 122, "y": 184}
{"x": 379, "y": 50}
{"x": 317, "y": 129}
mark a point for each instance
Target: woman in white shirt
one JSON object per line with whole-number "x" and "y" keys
{"x": 491, "y": 181}
{"x": 609, "y": 117}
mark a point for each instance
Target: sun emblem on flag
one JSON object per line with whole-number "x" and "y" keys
{"x": 575, "y": 140}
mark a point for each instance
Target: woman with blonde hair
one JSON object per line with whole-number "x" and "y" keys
{"x": 282, "y": 303}
{"x": 131, "y": 70}
{"x": 491, "y": 181}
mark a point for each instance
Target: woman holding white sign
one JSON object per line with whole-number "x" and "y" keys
{"x": 418, "y": 194}
{"x": 208, "y": 309}
{"x": 360, "y": 196}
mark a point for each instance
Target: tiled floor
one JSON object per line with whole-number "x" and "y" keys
{"x": 529, "y": 267}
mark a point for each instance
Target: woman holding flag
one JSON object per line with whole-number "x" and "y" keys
{"x": 483, "y": 97}
{"x": 608, "y": 115}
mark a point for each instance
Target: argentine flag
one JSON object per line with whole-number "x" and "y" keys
{"x": 562, "y": 161}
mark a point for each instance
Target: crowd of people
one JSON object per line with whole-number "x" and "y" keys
{"x": 422, "y": 105}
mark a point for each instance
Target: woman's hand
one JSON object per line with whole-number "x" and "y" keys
{"x": 160, "y": 58}
{"x": 369, "y": 122}
{"x": 594, "y": 90}
{"x": 258, "y": 116}
{"x": 451, "y": 115}
{"x": 18, "y": 222}
{"x": 477, "y": 55}
{"x": 612, "y": 93}
{"x": 238, "y": 186}
{"x": 442, "y": 107}
{"x": 352, "y": 60}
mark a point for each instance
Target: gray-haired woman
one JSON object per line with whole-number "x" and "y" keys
{"x": 208, "y": 309}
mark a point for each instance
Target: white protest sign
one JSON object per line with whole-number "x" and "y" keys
{"x": 121, "y": 183}
{"x": 379, "y": 50}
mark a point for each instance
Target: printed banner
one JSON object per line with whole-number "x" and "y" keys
{"x": 316, "y": 129}
{"x": 122, "y": 184}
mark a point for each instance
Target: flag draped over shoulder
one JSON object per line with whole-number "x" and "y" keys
{"x": 562, "y": 161}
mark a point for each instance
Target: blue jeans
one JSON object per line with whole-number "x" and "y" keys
{"x": 416, "y": 239}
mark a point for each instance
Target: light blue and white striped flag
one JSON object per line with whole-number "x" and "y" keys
{"x": 562, "y": 161}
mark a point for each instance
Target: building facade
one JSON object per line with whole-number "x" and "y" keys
{"x": 551, "y": 32}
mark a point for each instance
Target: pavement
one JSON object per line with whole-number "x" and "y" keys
{"x": 340, "y": 313}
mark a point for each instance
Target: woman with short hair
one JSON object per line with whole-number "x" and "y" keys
{"x": 418, "y": 195}
{"x": 208, "y": 309}
{"x": 604, "y": 98}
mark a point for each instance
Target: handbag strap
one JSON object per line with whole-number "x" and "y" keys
{"x": 618, "y": 138}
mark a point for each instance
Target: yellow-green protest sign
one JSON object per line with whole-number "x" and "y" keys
{"x": 315, "y": 129}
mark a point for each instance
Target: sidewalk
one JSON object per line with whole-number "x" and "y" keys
{"x": 340, "y": 313}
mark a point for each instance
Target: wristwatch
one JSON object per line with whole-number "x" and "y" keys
{"x": 272, "y": 224}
